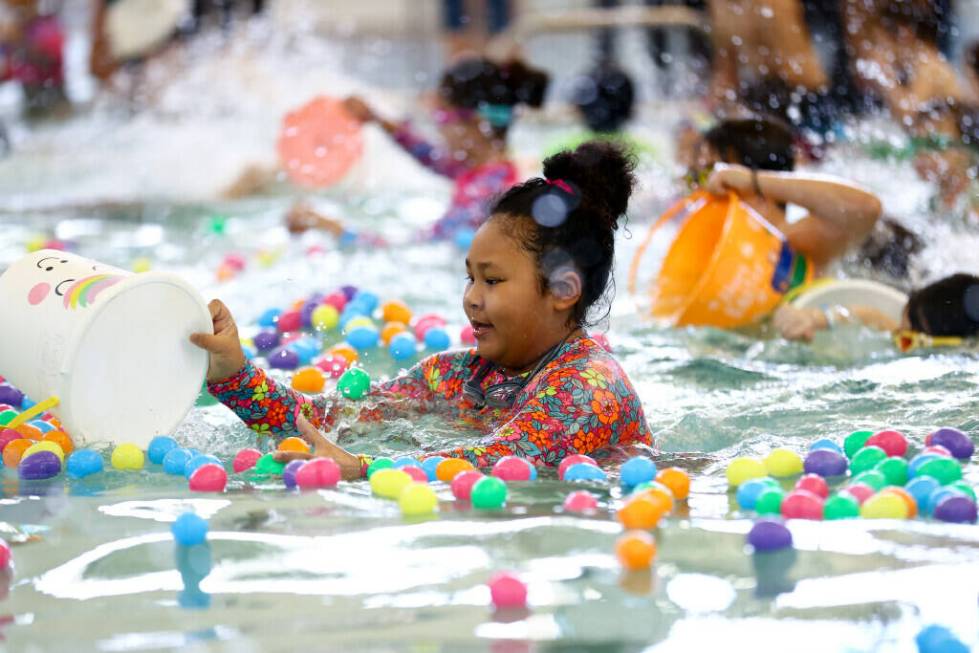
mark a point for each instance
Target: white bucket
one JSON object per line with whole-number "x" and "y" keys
{"x": 111, "y": 345}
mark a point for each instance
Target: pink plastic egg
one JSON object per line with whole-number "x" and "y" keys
{"x": 507, "y": 591}
{"x": 574, "y": 459}
{"x": 581, "y": 501}
{"x": 210, "y": 477}
{"x": 512, "y": 468}
{"x": 463, "y": 482}
{"x": 813, "y": 483}
{"x": 801, "y": 504}
{"x": 318, "y": 473}
{"x": 892, "y": 442}
{"x": 245, "y": 460}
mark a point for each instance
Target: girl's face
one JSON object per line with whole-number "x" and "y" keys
{"x": 514, "y": 321}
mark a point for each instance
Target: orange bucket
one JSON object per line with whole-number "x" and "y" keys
{"x": 727, "y": 266}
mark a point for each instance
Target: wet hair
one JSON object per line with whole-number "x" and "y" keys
{"x": 568, "y": 218}
{"x": 605, "y": 97}
{"x": 891, "y": 248}
{"x": 480, "y": 84}
{"x": 948, "y": 307}
{"x": 759, "y": 143}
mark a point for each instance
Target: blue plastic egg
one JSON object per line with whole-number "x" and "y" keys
{"x": 363, "y": 337}
{"x": 940, "y": 494}
{"x": 159, "y": 447}
{"x": 83, "y": 462}
{"x": 41, "y": 425}
{"x": 429, "y": 465}
{"x": 437, "y": 339}
{"x": 406, "y": 461}
{"x": 269, "y": 317}
{"x": 749, "y": 491}
{"x": 402, "y": 346}
{"x": 636, "y": 470}
{"x": 368, "y": 300}
{"x": 921, "y": 488}
{"x": 939, "y": 639}
{"x": 175, "y": 461}
{"x": 584, "y": 472}
{"x": 826, "y": 443}
{"x": 197, "y": 461}
{"x": 918, "y": 461}
{"x": 306, "y": 349}
{"x": 189, "y": 529}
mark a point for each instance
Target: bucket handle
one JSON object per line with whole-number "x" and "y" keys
{"x": 33, "y": 412}
{"x": 668, "y": 215}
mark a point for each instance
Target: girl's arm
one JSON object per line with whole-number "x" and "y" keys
{"x": 841, "y": 214}
{"x": 803, "y": 323}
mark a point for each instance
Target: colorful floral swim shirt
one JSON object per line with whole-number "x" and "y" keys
{"x": 579, "y": 403}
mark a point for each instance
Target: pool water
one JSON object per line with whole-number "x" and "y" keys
{"x": 96, "y": 567}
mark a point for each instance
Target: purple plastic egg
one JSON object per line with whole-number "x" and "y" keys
{"x": 306, "y": 312}
{"x": 957, "y": 442}
{"x": 266, "y": 340}
{"x": 283, "y": 359}
{"x": 38, "y": 466}
{"x": 289, "y": 473}
{"x": 769, "y": 535}
{"x": 11, "y": 395}
{"x": 957, "y": 510}
{"x": 825, "y": 463}
{"x": 349, "y": 292}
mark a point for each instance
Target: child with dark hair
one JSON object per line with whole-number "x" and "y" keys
{"x": 536, "y": 384}
{"x": 942, "y": 312}
{"x": 604, "y": 97}
{"x": 477, "y": 102}
{"x": 755, "y": 159}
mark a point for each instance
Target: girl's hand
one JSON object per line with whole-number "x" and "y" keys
{"x": 322, "y": 448}
{"x": 798, "y": 323}
{"x": 727, "y": 177}
{"x": 226, "y": 356}
{"x": 359, "y": 109}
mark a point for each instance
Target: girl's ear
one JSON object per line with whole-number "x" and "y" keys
{"x": 564, "y": 286}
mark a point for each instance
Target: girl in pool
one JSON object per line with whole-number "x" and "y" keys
{"x": 754, "y": 158}
{"x": 942, "y": 313}
{"x": 476, "y": 102}
{"x": 536, "y": 384}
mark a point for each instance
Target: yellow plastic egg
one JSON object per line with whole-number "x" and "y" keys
{"x": 142, "y": 264}
{"x": 417, "y": 499}
{"x": 324, "y": 318}
{"x": 884, "y": 505}
{"x": 744, "y": 469}
{"x": 309, "y": 380}
{"x": 267, "y": 258}
{"x": 389, "y": 483}
{"x": 782, "y": 463}
{"x": 360, "y": 321}
{"x": 396, "y": 311}
{"x": 45, "y": 445}
{"x": 127, "y": 456}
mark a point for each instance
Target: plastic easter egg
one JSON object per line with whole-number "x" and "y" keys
{"x": 44, "y": 446}
{"x": 939, "y": 639}
{"x": 209, "y": 477}
{"x": 268, "y": 466}
{"x": 283, "y": 358}
{"x": 189, "y": 529}
{"x": 894, "y": 469}
{"x": 324, "y": 318}
{"x": 871, "y": 478}
{"x": 742, "y": 469}
{"x": 943, "y": 470}
{"x": 345, "y": 351}
{"x": 175, "y": 461}
{"x": 859, "y": 491}
{"x": 636, "y": 470}
{"x": 488, "y": 493}
{"x": 291, "y": 320}
{"x": 318, "y": 473}
{"x": 826, "y": 463}
{"x": 466, "y": 335}
{"x": 266, "y": 340}
{"x": 884, "y": 506}
{"x": 635, "y": 550}
{"x": 827, "y": 444}
{"x": 921, "y": 488}
{"x": 198, "y": 461}
{"x": 405, "y": 461}
{"x": 866, "y": 458}
{"x": 83, "y": 462}
{"x": 14, "y": 451}
{"x": 395, "y": 310}
{"x": 7, "y": 436}
{"x": 463, "y": 483}
{"x": 938, "y": 450}
{"x": 309, "y": 380}
{"x": 963, "y": 487}
{"x": 417, "y": 499}
{"x": 437, "y": 339}
{"x": 584, "y": 472}
{"x": 813, "y": 483}
{"x": 127, "y": 457}
{"x": 581, "y": 502}
{"x": 956, "y": 509}
{"x": 289, "y": 473}
{"x": 958, "y": 443}
{"x": 337, "y": 300}
{"x": 909, "y": 500}
{"x": 801, "y": 504}
{"x": 295, "y": 444}
{"x": 450, "y": 467}
{"x": 392, "y": 329}
{"x": 159, "y": 447}
{"x": 769, "y": 535}
{"x": 430, "y": 466}
{"x": 573, "y": 460}
{"x": 918, "y": 461}
{"x": 402, "y": 346}
{"x": 39, "y": 465}
{"x": 641, "y": 513}
{"x": 388, "y": 483}
{"x": 5, "y": 555}
{"x": 892, "y": 442}
{"x": 783, "y": 463}
{"x": 426, "y": 322}
{"x": 855, "y": 442}
{"x": 61, "y": 439}
{"x": 677, "y": 480}
{"x": 514, "y": 468}
{"x": 416, "y": 473}
{"x": 507, "y": 591}
{"x": 245, "y": 459}
{"x": 841, "y": 506}
{"x": 749, "y": 491}
{"x": 269, "y": 317}
{"x": 333, "y": 366}
{"x": 379, "y": 464}
{"x": 354, "y": 383}
{"x": 363, "y": 338}
{"x": 769, "y": 502}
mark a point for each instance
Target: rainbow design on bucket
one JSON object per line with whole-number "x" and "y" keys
{"x": 84, "y": 291}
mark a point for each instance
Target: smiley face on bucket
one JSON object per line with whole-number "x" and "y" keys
{"x": 77, "y": 292}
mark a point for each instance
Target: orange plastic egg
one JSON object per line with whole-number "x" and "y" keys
{"x": 396, "y": 311}
{"x": 392, "y": 329}
{"x": 677, "y": 480}
{"x": 61, "y": 439}
{"x": 344, "y": 350}
{"x": 641, "y": 512}
{"x": 450, "y": 467}
{"x": 30, "y": 432}
{"x": 294, "y": 444}
{"x": 14, "y": 450}
{"x": 635, "y": 550}
{"x": 308, "y": 379}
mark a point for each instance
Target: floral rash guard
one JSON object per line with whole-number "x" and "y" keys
{"x": 580, "y": 402}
